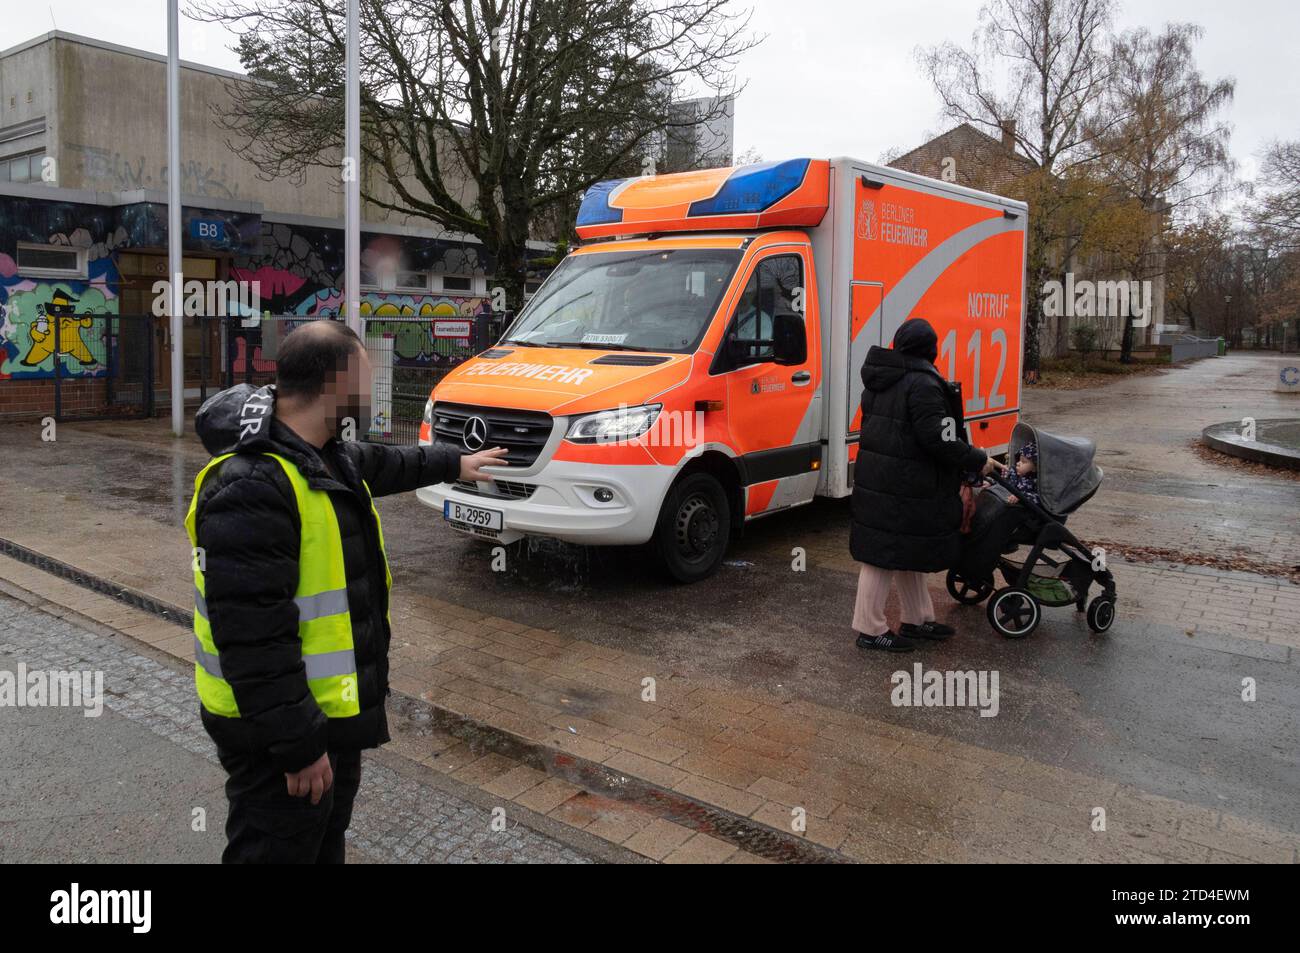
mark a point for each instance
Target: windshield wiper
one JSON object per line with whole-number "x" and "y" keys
{"x": 594, "y": 345}
{"x": 513, "y": 343}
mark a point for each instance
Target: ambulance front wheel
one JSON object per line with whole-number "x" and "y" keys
{"x": 693, "y": 529}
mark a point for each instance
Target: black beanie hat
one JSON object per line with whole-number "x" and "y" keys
{"x": 915, "y": 337}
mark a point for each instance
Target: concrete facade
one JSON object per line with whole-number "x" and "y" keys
{"x": 83, "y": 230}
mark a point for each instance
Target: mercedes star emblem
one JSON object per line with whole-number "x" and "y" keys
{"x": 475, "y": 435}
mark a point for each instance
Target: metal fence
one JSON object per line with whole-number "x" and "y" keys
{"x": 1184, "y": 347}
{"x": 100, "y": 364}
{"x": 409, "y": 355}
{"x": 118, "y": 365}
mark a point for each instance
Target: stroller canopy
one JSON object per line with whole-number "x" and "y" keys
{"x": 1067, "y": 475}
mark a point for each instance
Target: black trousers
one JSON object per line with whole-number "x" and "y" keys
{"x": 268, "y": 826}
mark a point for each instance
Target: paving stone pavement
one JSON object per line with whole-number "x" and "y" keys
{"x": 121, "y": 786}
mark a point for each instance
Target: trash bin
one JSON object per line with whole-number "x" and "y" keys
{"x": 1223, "y": 347}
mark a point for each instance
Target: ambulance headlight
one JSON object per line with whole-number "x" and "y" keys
{"x": 609, "y": 426}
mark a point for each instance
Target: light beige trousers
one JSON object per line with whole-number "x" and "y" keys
{"x": 873, "y": 593}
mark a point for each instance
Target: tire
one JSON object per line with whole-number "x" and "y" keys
{"x": 1014, "y": 613}
{"x": 694, "y": 528}
{"x": 966, "y": 593}
{"x": 1101, "y": 614}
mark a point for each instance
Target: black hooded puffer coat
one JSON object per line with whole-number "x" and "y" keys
{"x": 907, "y": 479}
{"x": 248, "y": 528}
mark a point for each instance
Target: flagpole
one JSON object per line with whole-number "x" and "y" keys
{"x": 352, "y": 182}
{"x": 176, "y": 282}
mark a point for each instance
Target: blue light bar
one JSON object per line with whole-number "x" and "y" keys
{"x": 595, "y": 208}
{"x": 754, "y": 188}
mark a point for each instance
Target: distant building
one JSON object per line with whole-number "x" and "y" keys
{"x": 708, "y": 139}
{"x": 967, "y": 156}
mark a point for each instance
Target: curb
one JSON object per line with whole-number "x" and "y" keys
{"x": 1224, "y": 438}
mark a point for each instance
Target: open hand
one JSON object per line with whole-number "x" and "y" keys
{"x": 472, "y": 464}
{"x": 990, "y": 465}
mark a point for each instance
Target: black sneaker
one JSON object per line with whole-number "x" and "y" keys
{"x": 927, "y": 630}
{"x": 889, "y": 641}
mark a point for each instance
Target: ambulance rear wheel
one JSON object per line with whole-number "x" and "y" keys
{"x": 694, "y": 526}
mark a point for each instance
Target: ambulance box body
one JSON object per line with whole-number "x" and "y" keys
{"x": 696, "y": 364}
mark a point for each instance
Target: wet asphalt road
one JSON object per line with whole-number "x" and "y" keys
{"x": 1145, "y": 704}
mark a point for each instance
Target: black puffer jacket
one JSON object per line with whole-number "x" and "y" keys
{"x": 248, "y": 527}
{"x": 907, "y": 479}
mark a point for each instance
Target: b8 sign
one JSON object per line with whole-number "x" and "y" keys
{"x": 208, "y": 230}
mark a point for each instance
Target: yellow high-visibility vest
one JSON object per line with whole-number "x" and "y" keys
{"x": 324, "y": 622}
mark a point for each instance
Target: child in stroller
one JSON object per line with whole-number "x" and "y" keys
{"x": 1064, "y": 478}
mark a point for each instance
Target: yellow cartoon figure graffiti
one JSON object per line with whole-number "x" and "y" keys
{"x": 61, "y": 312}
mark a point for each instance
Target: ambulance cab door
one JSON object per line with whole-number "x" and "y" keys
{"x": 771, "y": 359}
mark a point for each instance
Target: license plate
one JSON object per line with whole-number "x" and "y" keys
{"x": 475, "y": 517}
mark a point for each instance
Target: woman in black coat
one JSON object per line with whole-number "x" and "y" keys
{"x": 907, "y": 486}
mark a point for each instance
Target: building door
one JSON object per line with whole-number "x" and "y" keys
{"x": 200, "y": 345}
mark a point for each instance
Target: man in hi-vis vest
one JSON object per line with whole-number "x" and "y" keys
{"x": 291, "y": 626}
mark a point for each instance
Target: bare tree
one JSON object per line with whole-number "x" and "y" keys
{"x": 1037, "y": 70}
{"x": 1277, "y": 201}
{"x": 1160, "y": 142}
{"x": 483, "y": 116}
{"x": 1195, "y": 253}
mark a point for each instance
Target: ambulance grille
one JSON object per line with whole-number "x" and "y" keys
{"x": 498, "y": 489}
{"x": 522, "y": 432}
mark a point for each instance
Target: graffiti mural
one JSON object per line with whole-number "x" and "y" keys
{"x": 42, "y": 317}
{"x": 300, "y": 271}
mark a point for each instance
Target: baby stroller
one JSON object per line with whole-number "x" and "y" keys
{"x": 1058, "y": 570}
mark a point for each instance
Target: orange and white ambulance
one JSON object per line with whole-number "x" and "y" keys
{"x": 696, "y": 364}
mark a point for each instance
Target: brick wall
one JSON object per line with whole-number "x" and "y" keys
{"x": 34, "y": 399}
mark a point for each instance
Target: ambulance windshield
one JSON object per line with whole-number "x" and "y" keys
{"x": 658, "y": 300}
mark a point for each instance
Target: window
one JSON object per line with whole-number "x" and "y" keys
{"x": 51, "y": 261}
{"x": 640, "y": 301}
{"x": 417, "y": 281}
{"x": 772, "y": 289}
{"x": 413, "y": 280}
{"x": 22, "y": 168}
{"x": 457, "y": 284}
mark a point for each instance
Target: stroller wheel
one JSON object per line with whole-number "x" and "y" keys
{"x": 967, "y": 593}
{"x": 1014, "y": 613}
{"x": 1101, "y": 614}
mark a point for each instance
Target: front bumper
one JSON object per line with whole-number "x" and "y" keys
{"x": 561, "y": 503}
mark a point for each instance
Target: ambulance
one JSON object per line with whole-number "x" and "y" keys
{"x": 696, "y": 364}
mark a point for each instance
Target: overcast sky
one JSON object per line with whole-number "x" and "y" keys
{"x": 836, "y": 77}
